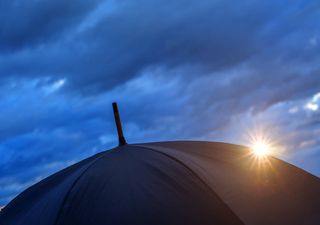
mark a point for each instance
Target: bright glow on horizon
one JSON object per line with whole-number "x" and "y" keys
{"x": 261, "y": 144}
{"x": 260, "y": 148}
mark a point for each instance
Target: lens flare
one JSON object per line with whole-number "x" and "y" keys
{"x": 260, "y": 148}
{"x": 261, "y": 144}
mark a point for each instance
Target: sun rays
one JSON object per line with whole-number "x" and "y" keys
{"x": 260, "y": 148}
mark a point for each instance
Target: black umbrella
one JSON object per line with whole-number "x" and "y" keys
{"x": 183, "y": 182}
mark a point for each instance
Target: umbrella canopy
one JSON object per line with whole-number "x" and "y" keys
{"x": 171, "y": 183}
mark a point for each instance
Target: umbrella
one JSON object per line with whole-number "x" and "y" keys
{"x": 181, "y": 182}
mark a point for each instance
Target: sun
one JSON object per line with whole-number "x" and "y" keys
{"x": 260, "y": 148}
{"x": 263, "y": 144}
{"x": 260, "y": 143}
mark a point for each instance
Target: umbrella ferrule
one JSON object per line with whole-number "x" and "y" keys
{"x": 122, "y": 140}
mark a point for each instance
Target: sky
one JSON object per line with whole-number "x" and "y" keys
{"x": 213, "y": 70}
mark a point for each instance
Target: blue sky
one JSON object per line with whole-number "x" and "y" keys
{"x": 179, "y": 69}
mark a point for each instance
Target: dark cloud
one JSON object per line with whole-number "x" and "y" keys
{"x": 142, "y": 34}
{"x": 33, "y": 23}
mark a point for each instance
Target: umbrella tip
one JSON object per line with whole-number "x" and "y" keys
{"x": 122, "y": 140}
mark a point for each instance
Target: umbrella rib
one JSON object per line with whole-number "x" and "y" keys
{"x": 195, "y": 174}
{"x": 76, "y": 181}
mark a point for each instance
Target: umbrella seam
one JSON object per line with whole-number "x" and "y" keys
{"x": 195, "y": 174}
{"x": 74, "y": 184}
